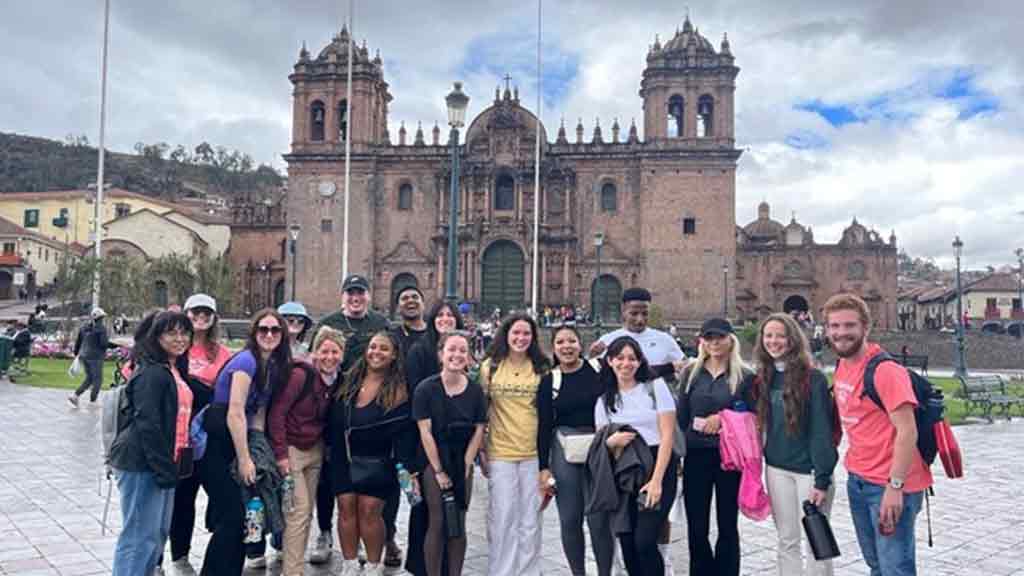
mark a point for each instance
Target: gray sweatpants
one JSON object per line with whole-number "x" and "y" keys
{"x": 93, "y": 378}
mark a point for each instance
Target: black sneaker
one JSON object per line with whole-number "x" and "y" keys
{"x": 73, "y": 400}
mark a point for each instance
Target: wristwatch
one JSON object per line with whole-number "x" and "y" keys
{"x": 895, "y": 483}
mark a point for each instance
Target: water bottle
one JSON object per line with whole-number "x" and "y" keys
{"x": 405, "y": 482}
{"x": 288, "y": 493}
{"x": 454, "y": 522}
{"x": 819, "y": 533}
{"x": 254, "y": 513}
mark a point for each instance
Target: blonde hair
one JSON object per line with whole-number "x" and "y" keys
{"x": 736, "y": 364}
{"x": 328, "y": 333}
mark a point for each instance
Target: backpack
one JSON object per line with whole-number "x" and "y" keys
{"x": 928, "y": 413}
{"x": 114, "y": 415}
{"x": 556, "y": 376}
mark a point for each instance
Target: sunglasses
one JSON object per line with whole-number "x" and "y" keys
{"x": 202, "y": 312}
{"x": 295, "y": 319}
{"x": 268, "y": 330}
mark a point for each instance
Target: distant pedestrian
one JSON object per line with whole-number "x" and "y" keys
{"x": 90, "y": 349}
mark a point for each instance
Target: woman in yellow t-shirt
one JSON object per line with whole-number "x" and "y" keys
{"x": 510, "y": 375}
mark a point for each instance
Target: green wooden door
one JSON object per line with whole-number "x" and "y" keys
{"x": 607, "y": 294}
{"x": 504, "y": 277}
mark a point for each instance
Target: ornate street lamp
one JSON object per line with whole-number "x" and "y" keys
{"x": 293, "y": 232}
{"x": 725, "y": 290}
{"x": 1020, "y": 286}
{"x": 961, "y": 366}
{"x": 596, "y": 300}
{"x": 457, "y": 102}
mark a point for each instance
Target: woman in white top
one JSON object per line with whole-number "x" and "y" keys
{"x": 634, "y": 396}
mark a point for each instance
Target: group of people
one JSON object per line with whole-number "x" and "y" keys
{"x": 623, "y": 435}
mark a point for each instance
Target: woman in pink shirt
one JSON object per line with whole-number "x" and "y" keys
{"x": 206, "y": 357}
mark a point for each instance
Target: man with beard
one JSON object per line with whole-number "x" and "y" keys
{"x": 888, "y": 477}
{"x": 358, "y": 323}
{"x": 664, "y": 357}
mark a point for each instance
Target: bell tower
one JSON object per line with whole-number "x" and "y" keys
{"x": 688, "y": 90}
{"x": 319, "y": 119}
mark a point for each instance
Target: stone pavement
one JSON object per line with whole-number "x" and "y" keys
{"x": 52, "y": 499}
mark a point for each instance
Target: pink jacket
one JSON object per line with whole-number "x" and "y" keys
{"x": 740, "y": 448}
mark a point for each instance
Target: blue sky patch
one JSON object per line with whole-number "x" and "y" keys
{"x": 806, "y": 140}
{"x": 516, "y": 54}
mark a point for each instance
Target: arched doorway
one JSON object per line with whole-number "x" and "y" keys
{"x": 279, "y": 293}
{"x": 504, "y": 277}
{"x": 6, "y": 284}
{"x": 607, "y": 298}
{"x": 160, "y": 293}
{"x": 399, "y": 283}
{"x": 795, "y": 303}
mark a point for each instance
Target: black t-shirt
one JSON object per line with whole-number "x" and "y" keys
{"x": 432, "y": 402}
{"x": 407, "y": 337}
{"x": 357, "y": 331}
{"x": 574, "y": 407}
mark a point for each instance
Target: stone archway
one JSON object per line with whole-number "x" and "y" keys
{"x": 606, "y": 293}
{"x": 795, "y": 303}
{"x": 398, "y": 283}
{"x": 503, "y": 277}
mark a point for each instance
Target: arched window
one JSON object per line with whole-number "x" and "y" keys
{"x": 856, "y": 270}
{"x": 705, "y": 116}
{"x": 505, "y": 193}
{"x": 676, "y": 113}
{"x": 317, "y": 117}
{"x": 405, "y": 196}
{"x": 609, "y": 199}
{"x": 342, "y": 120}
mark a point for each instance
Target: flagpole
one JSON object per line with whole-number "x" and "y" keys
{"x": 348, "y": 139}
{"x": 536, "y": 180}
{"x": 98, "y": 205}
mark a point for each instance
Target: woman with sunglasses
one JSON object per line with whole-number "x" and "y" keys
{"x": 450, "y": 410}
{"x": 206, "y": 357}
{"x": 565, "y": 408}
{"x": 717, "y": 380}
{"x": 510, "y": 376}
{"x": 299, "y": 324}
{"x": 235, "y": 423}
{"x": 151, "y": 450}
{"x": 422, "y": 363}
{"x": 371, "y": 431}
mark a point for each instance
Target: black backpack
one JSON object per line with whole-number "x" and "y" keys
{"x": 930, "y": 405}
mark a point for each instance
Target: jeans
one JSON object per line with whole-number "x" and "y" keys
{"x": 885, "y": 555}
{"x": 146, "y": 511}
{"x": 93, "y": 378}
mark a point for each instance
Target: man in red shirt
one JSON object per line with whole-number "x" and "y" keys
{"x": 888, "y": 477}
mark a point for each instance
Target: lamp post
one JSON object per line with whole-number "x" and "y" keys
{"x": 1020, "y": 285}
{"x": 457, "y": 102}
{"x": 961, "y": 366}
{"x": 596, "y": 302}
{"x": 293, "y": 232}
{"x": 725, "y": 290}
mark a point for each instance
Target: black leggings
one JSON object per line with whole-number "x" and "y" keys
{"x": 640, "y": 547}
{"x": 325, "y": 501}
{"x": 435, "y": 541}
{"x": 702, "y": 476}
{"x": 225, "y": 554}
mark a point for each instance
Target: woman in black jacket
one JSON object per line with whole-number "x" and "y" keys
{"x": 151, "y": 450}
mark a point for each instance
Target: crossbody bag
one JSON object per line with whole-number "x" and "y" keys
{"x": 574, "y": 446}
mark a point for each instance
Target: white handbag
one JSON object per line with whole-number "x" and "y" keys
{"x": 574, "y": 446}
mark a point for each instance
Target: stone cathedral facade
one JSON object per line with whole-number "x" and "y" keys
{"x": 665, "y": 204}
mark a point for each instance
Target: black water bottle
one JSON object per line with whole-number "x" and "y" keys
{"x": 454, "y": 521}
{"x": 819, "y": 533}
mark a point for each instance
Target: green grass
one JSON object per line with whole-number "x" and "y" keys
{"x": 53, "y": 373}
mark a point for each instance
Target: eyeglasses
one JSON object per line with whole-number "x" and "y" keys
{"x": 268, "y": 330}
{"x": 177, "y": 334}
{"x": 201, "y": 312}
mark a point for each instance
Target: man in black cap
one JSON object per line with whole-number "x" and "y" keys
{"x": 358, "y": 323}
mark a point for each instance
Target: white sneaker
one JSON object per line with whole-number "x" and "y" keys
{"x": 258, "y": 562}
{"x": 182, "y": 567}
{"x": 321, "y": 554}
{"x": 373, "y": 569}
{"x": 351, "y": 567}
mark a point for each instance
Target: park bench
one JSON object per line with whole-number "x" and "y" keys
{"x": 915, "y": 361}
{"x": 987, "y": 393}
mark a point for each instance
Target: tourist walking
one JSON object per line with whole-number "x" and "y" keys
{"x": 151, "y": 450}
{"x": 298, "y": 417}
{"x": 371, "y": 431}
{"x": 510, "y": 376}
{"x": 636, "y": 407}
{"x": 235, "y": 423}
{"x": 888, "y": 477}
{"x": 299, "y": 323}
{"x": 90, "y": 349}
{"x": 565, "y": 412}
{"x": 206, "y": 357}
{"x": 796, "y": 414}
{"x": 717, "y": 380}
{"x": 450, "y": 410}
{"x": 358, "y": 323}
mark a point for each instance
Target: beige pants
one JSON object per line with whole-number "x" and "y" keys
{"x": 305, "y": 465}
{"x": 787, "y": 491}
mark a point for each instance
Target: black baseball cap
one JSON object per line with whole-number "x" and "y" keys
{"x": 636, "y": 294}
{"x": 716, "y": 327}
{"x": 355, "y": 282}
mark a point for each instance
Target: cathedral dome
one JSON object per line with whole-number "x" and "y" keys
{"x": 339, "y": 47}
{"x": 764, "y": 229}
{"x": 688, "y": 35}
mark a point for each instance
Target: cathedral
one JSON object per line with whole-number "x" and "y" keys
{"x": 616, "y": 210}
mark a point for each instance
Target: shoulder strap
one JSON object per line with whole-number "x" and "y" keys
{"x": 869, "y": 377}
{"x": 595, "y": 363}
{"x": 556, "y": 382}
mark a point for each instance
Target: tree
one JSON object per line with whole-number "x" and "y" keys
{"x": 204, "y": 154}
{"x": 214, "y": 277}
{"x": 73, "y": 282}
{"x": 123, "y": 285}
{"x": 177, "y": 272}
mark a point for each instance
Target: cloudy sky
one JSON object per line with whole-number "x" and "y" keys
{"x": 904, "y": 114}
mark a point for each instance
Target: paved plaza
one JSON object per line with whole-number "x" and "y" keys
{"x": 52, "y": 498}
